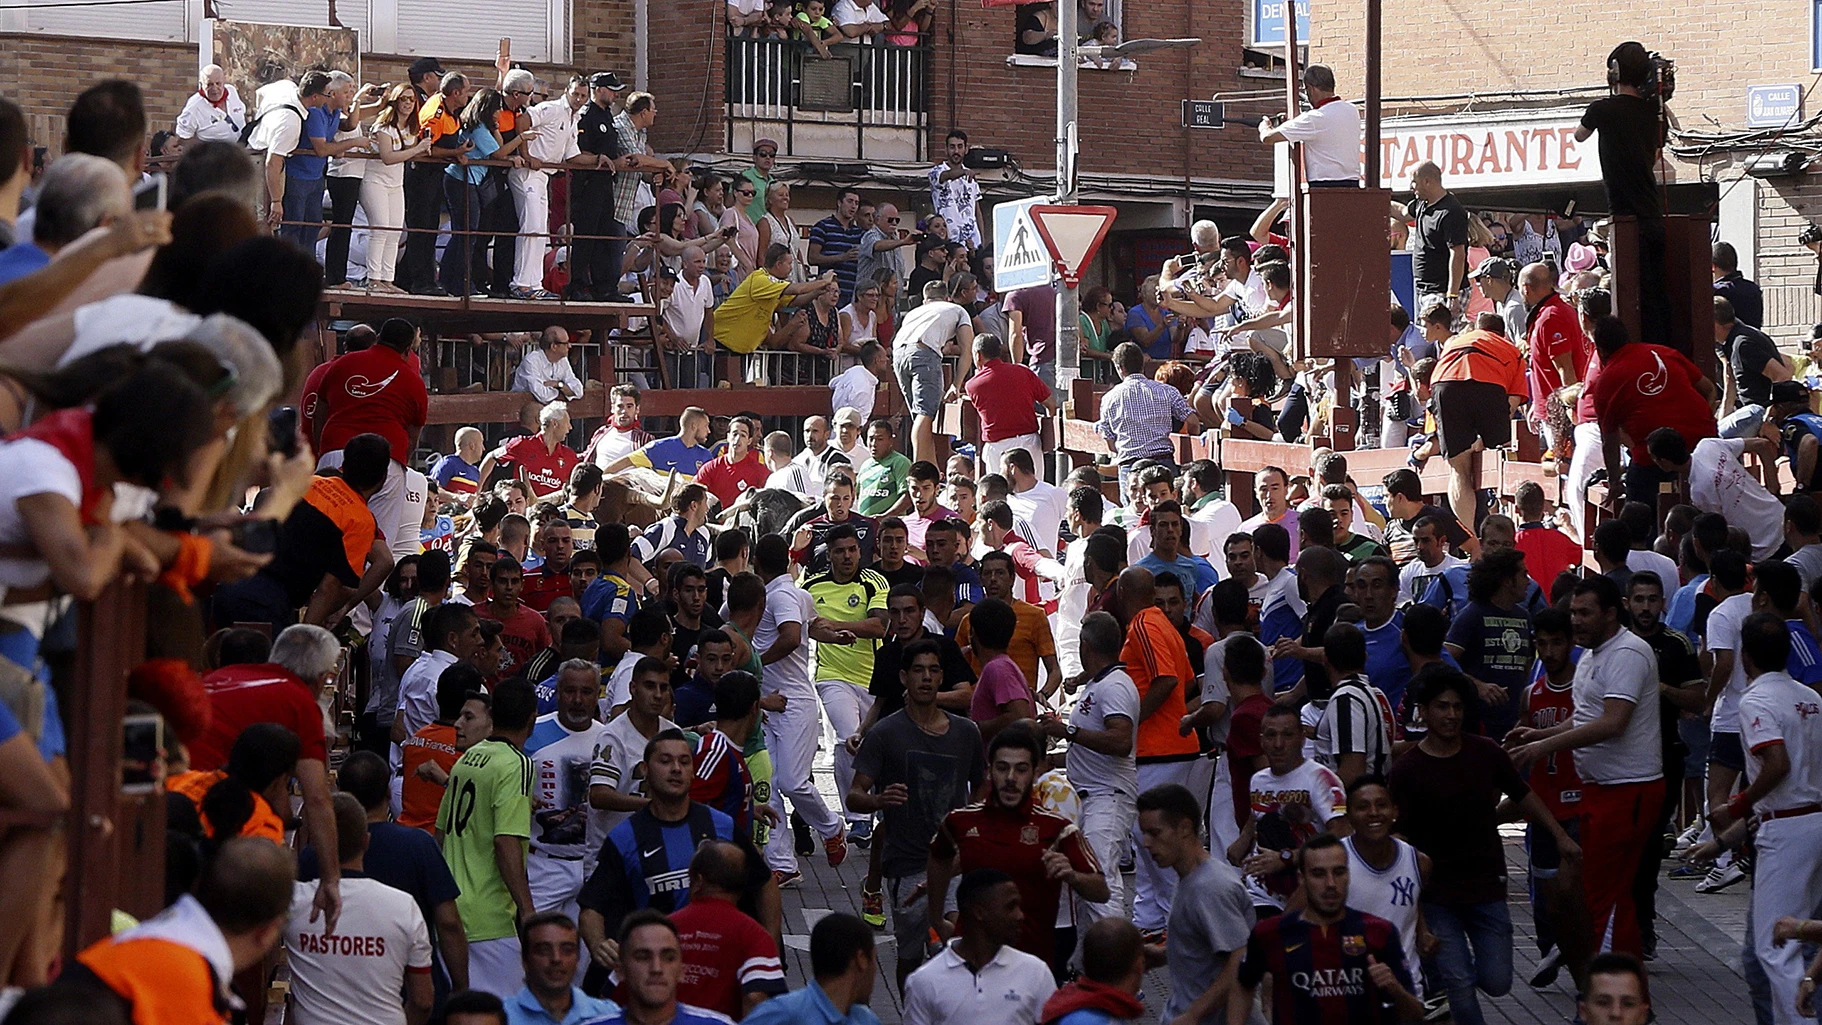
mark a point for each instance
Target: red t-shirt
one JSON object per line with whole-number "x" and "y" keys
{"x": 1553, "y": 776}
{"x": 543, "y": 586}
{"x": 1643, "y": 387}
{"x": 1243, "y": 728}
{"x": 546, "y": 471}
{"x": 1014, "y": 842}
{"x": 309, "y": 405}
{"x": 1548, "y": 552}
{"x": 727, "y": 481}
{"x": 525, "y": 635}
{"x": 1555, "y": 331}
{"x": 242, "y": 695}
{"x": 1584, "y": 403}
{"x": 1005, "y": 395}
{"x": 374, "y": 391}
{"x": 726, "y": 955}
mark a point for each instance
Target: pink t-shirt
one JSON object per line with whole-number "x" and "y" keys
{"x": 1001, "y": 682}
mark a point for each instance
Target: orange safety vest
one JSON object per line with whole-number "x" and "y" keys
{"x": 263, "y": 823}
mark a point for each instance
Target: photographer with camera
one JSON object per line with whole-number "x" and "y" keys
{"x": 1631, "y": 125}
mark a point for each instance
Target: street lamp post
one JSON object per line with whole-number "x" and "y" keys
{"x": 1068, "y": 354}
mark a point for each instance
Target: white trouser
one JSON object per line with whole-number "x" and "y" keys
{"x": 1201, "y": 778}
{"x": 991, "y": 452}
{"x": 1107, "y": 817}
{"x": 531, "y": 198}
{"x": 1786, "y": 881}
{"x": 1154, "y": 885}
{"x": 494, "y": 966}
{"x": 1222, "y": 829}
{"x": 555, "y": 882}
{"x": 1587, "y": 459}
{"x": 846, "y": 705}
{"x": 385, "y": 206}
{"x": 790, "y": 736}
{"x": 397, "y": 507}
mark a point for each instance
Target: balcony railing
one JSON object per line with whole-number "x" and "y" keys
{"x": 785, "y": 83}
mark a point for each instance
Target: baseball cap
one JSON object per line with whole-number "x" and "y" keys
{"x": 424, "y": 66}
{"x": 1789, "y": 391}
{"x": 849, "y": 415}
{"x": 605, "y": 80}
{"x": 1493, "y": 267}
{"x": 759, "y": 144}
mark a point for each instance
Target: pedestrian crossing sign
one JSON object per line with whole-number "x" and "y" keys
{"x": 1019, "y": 257}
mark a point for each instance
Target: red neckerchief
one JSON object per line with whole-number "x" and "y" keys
{"x": 204, "y": 93}
{"x": 1086, "y": 994}
{"x": 72, "y": 433}
{"x": 1325, "y": 102}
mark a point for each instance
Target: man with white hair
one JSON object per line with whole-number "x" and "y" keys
{"x": 879, "y": 246}
{"x": 690, "y": 316}
{"x": 79, "y": 192}
{"x": 545, "y": 371}
{"x": 215, "y": 112}
{"x": 1205, "y": 236}
{"x": 542, "y": 459}
{"x": 553, "y": 144}
{"x": 285, "y": 690}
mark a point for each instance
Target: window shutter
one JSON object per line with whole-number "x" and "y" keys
{"x": 161, "y": 20}
{"x": 471, "y": 29}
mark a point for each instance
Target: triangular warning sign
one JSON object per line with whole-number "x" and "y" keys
{"x": 1072, "y": 234}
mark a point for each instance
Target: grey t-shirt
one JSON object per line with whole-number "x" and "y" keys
{"x": 938, "y": 771}
{"x": 405, "y": 640}
{"x": 1210, "y": 918}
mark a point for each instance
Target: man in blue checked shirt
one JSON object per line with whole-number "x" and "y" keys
{"x": 1139, "y": 414}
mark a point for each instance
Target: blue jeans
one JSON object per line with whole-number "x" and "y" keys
{"x": 1743, "y": 422}
{"x": 1476, "y": 953}
{"x": 457, "y": 272}
{"x": 303, "y": 202}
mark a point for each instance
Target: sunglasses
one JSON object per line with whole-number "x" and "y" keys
{"x": 765, "y": 152}
{"x": 518, "y": 92}
{"x": 891, "y": 220}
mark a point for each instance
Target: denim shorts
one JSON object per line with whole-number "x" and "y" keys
{"x": 920, "y": 377}
{"x": 1724, "y": 750}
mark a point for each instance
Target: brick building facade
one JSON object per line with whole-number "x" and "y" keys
{"x": 1721, "y": 47}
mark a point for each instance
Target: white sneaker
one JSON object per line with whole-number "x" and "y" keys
{"x": 1688, "y": 837}
{"x": 1720, "y": 878}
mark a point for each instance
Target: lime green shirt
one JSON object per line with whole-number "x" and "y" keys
{"x": 881, "y": 483}
{"x": 489, "y": 795}
{"x": 851, "y": 602}
{"x": 759, "y": 766}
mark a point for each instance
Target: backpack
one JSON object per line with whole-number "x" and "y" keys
{"x": 247, "y": 132}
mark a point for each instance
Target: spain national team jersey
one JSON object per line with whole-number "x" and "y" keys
{"x": 1319, "y": 973}
{"x": 1015, "y": 842}
{"x": 1553, "y": 777}
{"x": 851, "y": 602}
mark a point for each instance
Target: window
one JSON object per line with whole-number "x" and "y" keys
{"x": 1034, "y": 32}
{"x": 471, "y": 29}
{"x": 157, "y": 20}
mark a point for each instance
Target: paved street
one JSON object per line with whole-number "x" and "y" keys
{"x": 1696, "y": 978}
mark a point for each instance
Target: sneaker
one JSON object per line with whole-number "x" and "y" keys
{"x": 1548, "y": 968}
{"x": 1685, "y": 873}
{"x": 873, "y": 908}
{"x": 1436, "y": 1007}
{"x": 1153, "y": 937}
{"x": 800, "y": 832}
{"x": 532, "y": 293}
{"x": 860, "y": 834}
{"x": 787, "y": 880}
{"x": 1688, "y": 837}
{"x": 836, "y": 847}
{"x": 1719, "y": 878}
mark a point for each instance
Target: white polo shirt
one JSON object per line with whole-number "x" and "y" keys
{"x": 1779, "y": 710}
{"x": 1008, "y": 990}
{"x": 1624, "y": 667}
{"x": 1330, "y": 135}
{"x": 785, "y": 602}
{"x": 1723, "y": 634}
{"x": 357, "y": 972}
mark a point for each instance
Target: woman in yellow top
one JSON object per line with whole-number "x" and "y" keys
{"x": 743, "y": 321}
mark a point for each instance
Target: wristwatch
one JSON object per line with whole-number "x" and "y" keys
{"x": 1071, "y": 730}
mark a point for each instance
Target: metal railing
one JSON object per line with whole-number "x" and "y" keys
{"x": 786, "y": 82}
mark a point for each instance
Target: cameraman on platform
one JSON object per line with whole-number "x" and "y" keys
{"x": 1630, "y": 122}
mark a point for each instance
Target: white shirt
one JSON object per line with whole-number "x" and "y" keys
{"x": 1779, "y": 710}
{"x": 204, "y": 120}
{"x": 537, "y": 369}
{"x": 1109, "y": 695}
{"x": 30, "y": 467}
{"x": 127, "y": 319}
{"x": 796, "y": 478}
{"x": 688, "y": 307}
{"x": 1638, "y": 561}
{"x": 1390, "y": 894}
{"x": 618, "y": 768}
{"x": 1723, "y": 634}
{"x": 559, "y": 788}
{"x": 1719, "y": 483}
{"x": 1305, "y": 799}
{"x": 418, "y": 696}
{"x": 555, "y": 124}
{"x": 956, "y": 199}
{"x": 280, "y": 132}
{"x": 614, "y": 444}
{"x": 1330, "y": 135}
{"x": 1415, "y": 580}
{"x": 1624, "y": 667}
{"x": 1043, "y": 506}
{"x": 785, "y": 602}
{"x": 1808, "y": 560}
{"x": 1008, "y": 990}
{"x": 847, "y": 12}
{"x": 618, "y": 690}
{"x": 855, "y": 388}
{"x": 1210, "y": 525}
{"x": 932, "y": 325}
{"x": 356, "y": 973}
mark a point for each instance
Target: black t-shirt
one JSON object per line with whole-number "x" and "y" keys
{"x": 595, "y": 131}
{"x": 683, "y": 645}
{"x": 888, "y": 689}
{"x": 1446, "y": 810}
{"x": 1404, "y": 546}
{"x": 1748, "y": 350}
{"x": 921, "y": 276}
{"x": 909, "y": 573}
{"x": 1317, "y": 618}
{"x": 1677, "y": 667}
{"x": 1629, "y": 134}
{"x": 1441, "y": 226}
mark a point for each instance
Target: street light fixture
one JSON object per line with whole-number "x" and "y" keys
{"x": 1134, "y": 47}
